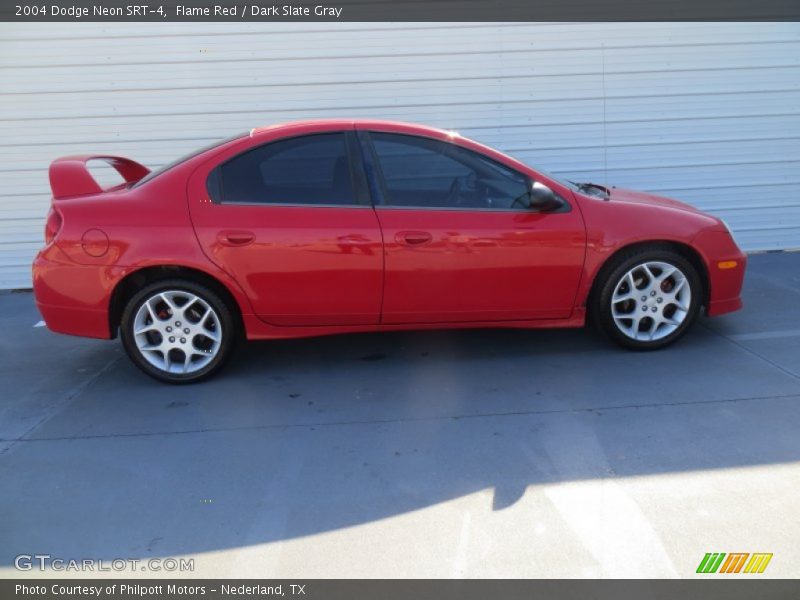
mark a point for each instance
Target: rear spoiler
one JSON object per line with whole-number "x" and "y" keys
{"x": 69, "y": 175}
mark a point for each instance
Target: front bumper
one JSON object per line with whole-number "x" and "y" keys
{"x": 726, "y": 265}
{"x": 716, "y": 308}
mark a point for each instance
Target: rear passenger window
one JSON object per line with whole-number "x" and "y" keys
{"x": 313, "y": 169}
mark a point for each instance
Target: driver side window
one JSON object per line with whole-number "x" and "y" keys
{"x": 424, "y": 173}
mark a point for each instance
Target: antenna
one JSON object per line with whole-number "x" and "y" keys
{"x": 605, "y": 133}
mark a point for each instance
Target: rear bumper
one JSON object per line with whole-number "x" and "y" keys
{"x": 72, "y": 298}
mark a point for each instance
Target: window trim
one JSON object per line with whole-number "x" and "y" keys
{"x": 372, "y": 169}
{"x": 381, "y": 202}
{"x": 357, "y": 176}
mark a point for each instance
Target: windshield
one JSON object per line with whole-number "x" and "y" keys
{"x": 155, "y": 173}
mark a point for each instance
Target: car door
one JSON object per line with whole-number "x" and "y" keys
{"x": 459, "y": 243}
{"x": 291, "y": 221}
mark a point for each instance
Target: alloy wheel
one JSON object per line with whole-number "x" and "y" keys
{"x": 651, "y": 301}
{"x": 177, "y": 331}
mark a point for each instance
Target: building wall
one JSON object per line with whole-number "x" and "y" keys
{"x": 704, "y": 112}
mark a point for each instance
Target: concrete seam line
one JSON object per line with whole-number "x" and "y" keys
{"x": 394, "y": 421}
{"x": 71, "y": 395}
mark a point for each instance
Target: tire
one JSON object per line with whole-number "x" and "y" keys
{"x": 185, "y": 319}
{"x": 660, "y": 290}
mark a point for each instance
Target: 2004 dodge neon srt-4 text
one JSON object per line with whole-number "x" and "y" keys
{"x": 336, "y": 226}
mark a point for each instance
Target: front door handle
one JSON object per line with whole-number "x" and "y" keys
{"x": 236, "y": 238}
{"x": 413, "y": 238}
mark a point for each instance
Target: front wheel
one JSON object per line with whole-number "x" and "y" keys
{"x": 177, "y": 331}
{"x": 648, "y": 299}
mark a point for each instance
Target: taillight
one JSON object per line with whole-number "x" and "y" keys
{"x": 52, "y": 225}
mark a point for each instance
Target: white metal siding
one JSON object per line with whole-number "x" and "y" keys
{"x": 708, "y": 113}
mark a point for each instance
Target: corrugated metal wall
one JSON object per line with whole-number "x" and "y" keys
{"x": 708, "y": 113}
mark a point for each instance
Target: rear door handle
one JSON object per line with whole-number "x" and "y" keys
{"x": 236, "y": 238}
{"x": 413, "y": 238}
{"x": 354, "y": 240}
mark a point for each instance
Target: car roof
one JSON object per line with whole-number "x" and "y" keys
{"x": 396, "y": 126}
{"x": 313, "y": 125}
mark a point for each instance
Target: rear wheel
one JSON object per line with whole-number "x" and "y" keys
{"x": 177, "y": 331}
{"x": 648, "y": 299}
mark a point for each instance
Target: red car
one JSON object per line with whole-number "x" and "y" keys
{"x": 333, "y": 226}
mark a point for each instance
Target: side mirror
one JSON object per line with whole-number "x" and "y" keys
{"x": 543, "y": 199}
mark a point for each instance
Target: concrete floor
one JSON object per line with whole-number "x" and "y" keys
{"x": 434, "y": 454}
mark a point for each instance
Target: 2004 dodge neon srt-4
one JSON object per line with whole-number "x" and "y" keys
{"x": 335, "y": 226}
